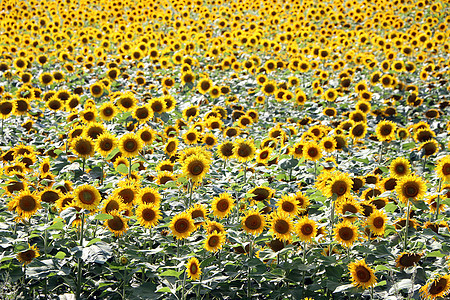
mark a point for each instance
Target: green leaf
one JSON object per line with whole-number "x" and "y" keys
{"x": 112, "y": 154}
{"x": 163, "y": 290}
{"x": 93, "y": 241}
{"x": 122, "y": 169}
{"x": 172, "y": 273}
{"x": 58, "y": 225}
{"x": 363, "y": 160}
{"x": 420, "y": 205}
{"x": 435, "y": 254}
{"x": 390, "y": 207}
{"x": 60, "y": 255}
{"x": 103, "y": 217}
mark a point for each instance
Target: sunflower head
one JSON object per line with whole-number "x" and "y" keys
{"x": 443, "y": 168}
{"x": 87, "y": 197}
{"x": 436, "y": 288}
{"x": 405, "y": 260}
{"x": 281, "y": 225}
{"x": 410, "y": 187}
{"x": 253, "y": 222}
{"x": 385, "y": 130}
{"x": 361, "y": 274}
{"x": 195, "y": 167}
{"x": 244, "y": 150}
{"x": 289, "y": 204}
{"x": 182, "y": 225}
{"x": 148, "y": 215}
{"x": 346, "y": 233}
{"x": 214, "y": 241}
{"x": 193, "y": 268}
{"x": 118, "y": 224}
{"x": 222, "y": 205}
{"x": 130, "y": 145}
{"x": 225, "y": 150}
{"x": 306, "y": 229}
{"x": 27, "y": 256}
{"x": 83, "y": 146}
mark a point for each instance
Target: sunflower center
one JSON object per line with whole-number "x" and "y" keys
{"x": 157, "y": 107}
{"x": 130, "y": 145}
{"x": 378, "y": 222}
{"x": 127, "y": 195}
{"x": 148, "y": 214}
{"x": 408, "y": 260}
{"x": 244, "y": 151}
{"x": 227, "y": 150}
{"x": 346, "y": 233}
{"x": 87, "y": 197}
{"x": 307, "y": 229}
{"x": 27, "y": 203}
{"x": 27, "y": 255}
{"x": 148, "y": 198}
{"x": 193, "y": 268}
{"x": 281, "y": 226}
{"x": 108, "y": 111}
{"x": 287, "y": 207}
{"x": 83, "y": 147}
{"x": 339, "y": 188}
{"x": 446, "y": 169}
{"x": 410, "y": 190}
{"x": 106, "y": 145}
{"x": 191, "y": 136}
{"x": 112, "y": 205}
{"x": 253, "y": 222}
{"x": 205, "y": 85}
{"x": 438, "y": 286}
{"x": 196, "y": 168}
{"x": 400, "y": 169}
{"x": 116, "y": 223}
{"x": 386, "y": 130}
{"x": 223, "y": 205}
{"x": 170, "y": 147}
{"x": 181, "y": 225}
{"x": 328, "y": 145}
{"x": 261, "y": 194}
{"x": 213, "y": 241}
{"x": 198, "y": 213}
{"x": 349, "y": 208}
{"x": 363, "y": 274}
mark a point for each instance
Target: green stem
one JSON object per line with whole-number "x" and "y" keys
{"x": 408, "y": 209}
{"x": 249, "y": 269}
{"x": 80, "y": 261}
{"x": 84, "y": 163}
{"x": 129, "y": 167}
{"x": 191, "y": 190}
{"x": 380, "y": 153}
{"x": 330, "y": 234}
{"x": 245, "y": 172}
{"x": 436, "y": 216}
{"x": 103, "y": 174}
{"x": 424, "y": 164}
{"x": 183, "y": 296}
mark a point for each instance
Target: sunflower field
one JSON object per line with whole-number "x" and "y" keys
{"x": 213, "y": 149}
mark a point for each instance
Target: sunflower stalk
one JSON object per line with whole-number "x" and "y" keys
{"x": 330, "y": 234}
{"x": 436, "y": 215}
{"x": 183, "y": 296}
{"x": 408, "y": 209}
{"x": 84, "y": 164}
{"x": 129, "y": 167}
{"x": 80, "y": 261}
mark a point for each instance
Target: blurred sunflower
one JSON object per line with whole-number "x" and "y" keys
{"x": 222, "y": 205}
{"x": 118, "y": 224}
{"x": 83, "y": 146}
{"x": 193, "y": 268}
{"x": 361, "y": 274}
{"x": 26, "y": 257}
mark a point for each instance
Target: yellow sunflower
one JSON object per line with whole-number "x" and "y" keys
{"x": 25, "y": 203}
{"x": 410, "y": 187}
{"x": 27, "y": 256}
{"x": 289, "y": 204}
{"x": 130, "y": 145}
{"x": 306, "y": 229}
{"x": 222, "y": 205}
{"x": 195, "y": 167}
{"x": 443, "y": 168}
{"x": 436, "y": 288}
{"x": 281, "y": 225}
{"x": 244, "y": 150}
{"x": 405, "y": 260}
{"x": 118, "y": 224}
{"x": 225, "y": 150}
{"x": 346, "y": 233}
{"x": 386, "y": 130}
{"x": 87, "y": 197}
{"x": 148, "y": 215}
{"x": 214, "y": 241}
{"x": 171, "y": 146}
{"x": 113, "y": 202}
{"x": 148, "y": 195}
{"x": 105, "y": 143}
{"x": 339, "y": 184}
{"x": 361, "y": 274}
{"x": 193, "y": 268}
{"x": 83, "y": 146}
{"x": 182, "y": 225}
{"x": 253, "y": 222}
{"x": 377, "y": 222}
{"x": 350, "y": 205}
{"x": 312, "y": 151}
{"x": 400, "y": 167}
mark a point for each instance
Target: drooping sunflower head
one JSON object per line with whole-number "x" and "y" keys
{"x": 26, "y": 257}
{"x": 410, "y": 187}
{"x": 118, "y": 224}
{"x": 127, "y": 191}
{"x": 361, "y": 274}
{"x": 436, "y": 288}
{"x": 87, "y": 197}
{"x": 113, "y": 202}
{"x": 171, "y": 146}
{"x": 429, "y": 148}
{"x": 405, "y": 260}
{"x": 262, "y": 193}
{"x": 400, "y": 167}
{"x": 253, "y": 222}
{"x": 182, "y": 225}
{"x": 199, "y": 213}
{"x": 222, "y": 205}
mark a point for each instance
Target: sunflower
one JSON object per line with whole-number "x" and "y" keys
{"x": 127, "y": 190}
{"x": 222, "y": 205}
{"x": 126, "y": 101}
{"x": 346, "y": 233}
{"x": 244, "y": 150}
{"x": 130, "y": 145}
{"x": 400, "y": 167}
{"x": 195, "y": 167}
{"x": 107, "y": 111}
{"x": 83, "y": 146}
{"x": 191, "y": 112}
{"x": 437, "y": 288}
{"x": 312, "y": 151}
{"x": 118, "y": 224}
{"x": 348, "y": 205}
{"x": 193, "y": 268}
{"x": 443, "y": 168}
{"x": 263, "y": 155}
{"x": 198, "y": 211}
{"x": 306, "y": 229}
{"x": 209, "y": 140}
{"x": 340, "y": 184}
{"x": 97, "y": 89}
{"x": 386, "y": 130}
{"x": 269, "y": 87}
{"x": 148, "y": 215}
{"x": 410, "y": 187}
{"x": 213, "y": 226}
{"x": 105, "y": 143}
{"x": 148, "y": 195}
{"x": 225, "y": 150}
{"x": 87, "y": 197}
{"x": 171, "y": 146}
{"x": 405, "y": 260}
{"x": 164, "y": 177}
{"x": 377, "y": 222}
{"x": 147, "y": 135}
{"x": 204, "y": 85}
{"x": 358, "y": 131}
{"x": 361, "y": 274}
{"x": 328, "y": 143}
{"x": 297, "y": 150}
{"x": 25, "y": 203}
{"x": 113, "y": 202}
{"x": 262, "y": 193}
{"x": 281, "y": 225}
{"x": 142, "y": 113}
{"x": 429, "y": 148}
{"x": 289, "y": 204}
{"x": 253, "y": 222}
{"x": 214, "y": 241}
{"x": 64, "y": 202}
{"x": 27, "y": 256}
{"x": 191, "y": 137}
{"x": 182, "y": 225}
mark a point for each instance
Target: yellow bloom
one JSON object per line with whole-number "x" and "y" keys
{"x": 193, "y": 268}
{"x": 410, "y": 187}
{"x": 182, "y": 225}
{"x": 361, "y": 274}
